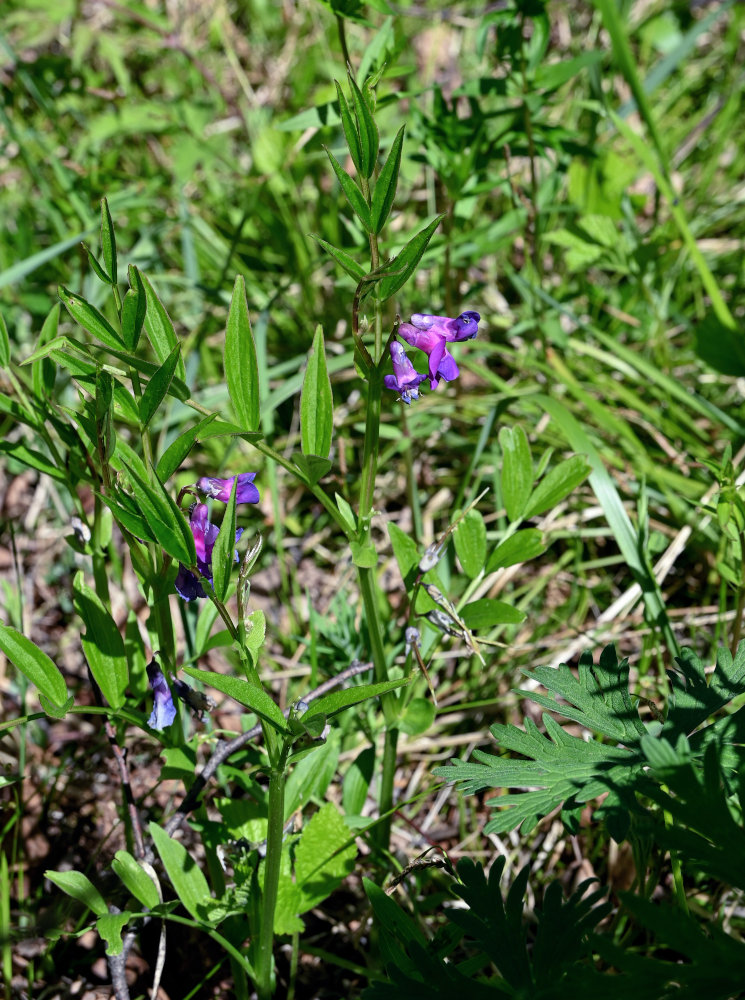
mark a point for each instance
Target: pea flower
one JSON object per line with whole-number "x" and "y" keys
{"x": 432, "y": 334}
{"x": 205, "y": 535}
{"x": 164, "y": 711}
{"x": 220, "y": 489}
{"x": 405, "y": 379}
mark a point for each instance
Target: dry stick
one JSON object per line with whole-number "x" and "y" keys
{"x": 121, "y": 760}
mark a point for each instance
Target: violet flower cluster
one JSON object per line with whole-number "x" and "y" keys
{"x": 205, "y": 533}
{"x": 430, "y": 334}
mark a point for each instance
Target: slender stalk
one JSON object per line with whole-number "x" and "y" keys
{"x": 275, "y": 831}
{"x": 737, "y": 624}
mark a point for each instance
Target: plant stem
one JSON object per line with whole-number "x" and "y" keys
{"x": 275, "y": 829}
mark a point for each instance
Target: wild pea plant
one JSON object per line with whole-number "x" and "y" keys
{"x": 105, "y": 415}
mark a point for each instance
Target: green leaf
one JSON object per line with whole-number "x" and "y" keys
{"x": 342, "y": 258}
{"x": 158, "y": 386}
{"x": 407, "y": 554}
{"x": 110, "y": 927}
{"x": 136, "y": 879}
{"x": 418, "y": 717}
{"x": 90, "y": 318}
{"x": 56, "y": 711}
{"x": 354, "y": 195}
{"x": 164, "y": 518}
{"x": 488, "y": 612}
{"x": 31, "y": 458}
{"x": 5, "y": 342}
{"x": 470, "y": 543}
{"x": 312, "y": 467}
{"x": 108, "y": 242}
{"x": 517, "y": 471}
{"x": 241, "y": 366}
{"x": 397, "y": 272}
{"x": 134, "y": 308}
{"x": 324, "y": 855}
{"x": 363, "y": 554}
{"x": 102, "y": 643}
{"x": 185, "y": 875}
{"x": 523, "y": 545}
{"x": 368, "y": 130}
{"x": 99, "y": 271}
{"x": 223, "y": 554}
{"x": 316, "y": 402}
{"x": 34, "y": 664}
{"x": 43, "y": 371}
{"x": 177, "y": 451}
{"x": 386, "y": 184}
{"x": 158, "y": 326}
{"x": 346, "y": 512}
{"x": 245, "y": 694}
{"x": 338, "y": 701}
{"x": 350, "y": 129}
{"x": 557, "y": 484}
{"x": 80, "y": 887}
{"x": 357, "y": 781}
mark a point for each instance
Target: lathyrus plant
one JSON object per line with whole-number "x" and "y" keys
{"x": 104, "y": 414}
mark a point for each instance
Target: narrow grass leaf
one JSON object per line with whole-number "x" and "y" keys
{"x": 353, "y": 194}
{"x": 183, "y": 871}
{"x": 245, "y": 694}
{"x": 108, "y": 242}
{"x": 90, "y": 318}
{"x": 80, "y": 887}
{"x": 517, "y": 471}
{"x": 158, "y": 386}
{"x": 386, "y": 184}
{"x": 223, "y": 554}
{"x": 33, "y": 664}
{"x": 316, "y": 402}
{"x": 158, "y": 326}
{"x": 5, "y": 342}
{"x": 241, "y": 366}
{"x": 102, "y": 643}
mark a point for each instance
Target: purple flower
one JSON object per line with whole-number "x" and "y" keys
{"x": 220, "y": 489}
{"x": 431, "y": 334}
{"x": 405, "y": 379}
{"x": 205, "y": 535}
{"x": 164, "y": 711}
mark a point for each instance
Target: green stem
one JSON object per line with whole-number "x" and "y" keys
{"x": 275, "y": 830}
{"x": 385, "y": 801}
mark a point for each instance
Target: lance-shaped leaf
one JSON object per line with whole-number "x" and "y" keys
{"x": 368, "y": 130}
{"x": 245, "y": 694}
{"x": 80, "y": 887}
{"x": 34, "y": 664}
{"x": 517, "y": 471}
{"x": 165, "y": 519}
{"x": 223, "y": 553}
{"x": 350, "y": 129}
{"x": 4, "y": 343}
{"x": 241, "y": 365}
{"x": 108, "y": 242}
{"x": 158, "y": 326}
{"x": 557, "y": 484}
{"x": 158, "y": 386}
{"x": 102, "y": 643}
{"x": 136, "y": 879}
{"x": 316, "y": 402}
{"x": 134, "y": 308}
{"x": 177, "y": 451}
{"x": 354, "y": 195}
{"x": 386, "y": 184}
{"x": 90, "y": 318}
{"x": 397, "y": 272}
{"x": 331, "y": 704}
{"x": 185, "y": 874}
{"x": 342, "y": 258}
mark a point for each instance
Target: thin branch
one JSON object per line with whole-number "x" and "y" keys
{"x": 120, "y": 756}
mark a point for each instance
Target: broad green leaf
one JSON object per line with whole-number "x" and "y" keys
{"x": 158, "y": 386}
{"x": 102, "y": 643}
{"x": 80, "y": 887}
{"x": 310, "y": 778}
{"x": 557, "y": 484}
{"x": 397, "y": 272}
{"x": 386, "y": 184}
{"x": 470, "y": 543}
{"x": 523, "y": 545}
{"x": 223, "y": 554}
{"x": 418, "y": 717}
{"x": 324, "y": 855}
{"x": 165, "y": 519}
{"x": 5, "y": 343}
{"x": 32, "y": 458}
{"x": 134, "y": 308}
{"x": 350, "y": 129}
{"x": 346, "y": 512}
{"x": 158, "y": 326}
{"x": 368, "y": 130}
{"x": 177, "y": 451}
{"x": 406, "y": 552}
{"x": 108, "y": 242}
{"x": 136, "y": 879}
{"x": 241, "y": 366}
{"x": 357, "y": 781}
{"x": 313, "y": 467}
{"x": 338, "y": 701}
{"x": 34, "y": 664}
{"x": 245, "y": 694}
{"x": 342, "y": 258}
{"x": 185, "y": 875}
{"x": 364, "y": 554}
{"x": 316, "y": 402}
{"x": 488, "y": 612}
{"x": 110, "y": 927}
{"x": 43, "y": 371}
{"x": 517, "y": 471}
{"x": 90, "y": 318}
{"x": 354, "y": 195}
